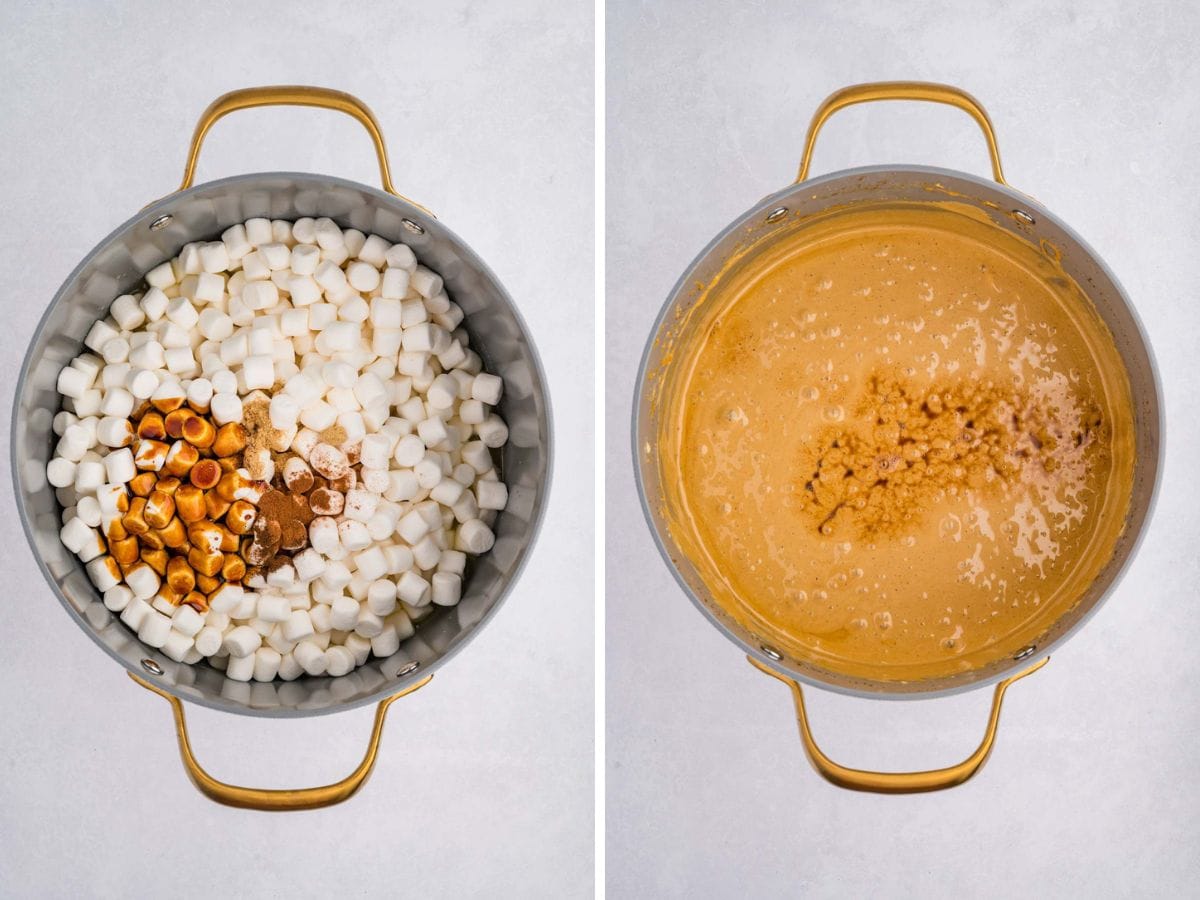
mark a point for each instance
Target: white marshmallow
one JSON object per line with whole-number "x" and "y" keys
{"x": 208, "y": 640}
{"x": 362, "y": 276}
{"x": 88, "y": 508}
{"x": 491, "y": 495}
{"x": 117, "y": 597}
{"x": 143, "y": 581}
{"x": 99, "y": 335}
{"x": 181, "y": 312}
{"x": 318, "y": 416}
{"x": 474, "y": 537}
{"x": 240, "y": 668}
{"x": 60, "y": 472}
{"x": 447, "y": 589}
{"x": 127, "y": 313}
{"x": 353, "y": 535}
{"x": 154, "y": 304}
{"x": 242, "y": 641}
{"x": 284, "y": 411}
{"x": 226, "y": 407}
{"x": 413, "y": 589}
{"x": 266, "y": 664}
{"x": 226, "y": 598}
{"x": 492, "y": 431}
{"x": 310, "y": 657}
{"x": 214, "y": 256}
{"x": 154, "y": 630}
{"x": 260, "y": 294}
{"x": 181, "y": 362}
{"x": 258, "y": 372}
{"x": 119, "y": 466}
{"x": 187, "y": 621}
{"x": 72, "y": 382}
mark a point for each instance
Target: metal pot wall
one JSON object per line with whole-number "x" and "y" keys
{"x": 498, "y": 334}
{"x": 780, "y": 217}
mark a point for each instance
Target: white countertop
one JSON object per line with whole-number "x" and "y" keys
{"x": 484, "y": 782}
{"x": 1092, "y": 789}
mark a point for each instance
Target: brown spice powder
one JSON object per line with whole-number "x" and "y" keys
{"x": 260, "y": 435}
{"x": 334, "y": 435}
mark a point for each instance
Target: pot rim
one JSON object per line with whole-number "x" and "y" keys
{"x": 897, "y": 690}
{"x": 424, "y": 670}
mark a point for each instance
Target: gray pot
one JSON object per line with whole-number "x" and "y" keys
{"x": 116, "y": 266}
{"x": 778, "y": 217}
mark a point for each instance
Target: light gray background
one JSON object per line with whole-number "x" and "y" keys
{"x": 1093, "y": 789}
{"x": 484, "y": 783}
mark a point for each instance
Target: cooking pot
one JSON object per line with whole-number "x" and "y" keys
{"x": 781, "y": 217}
{"x": 202, "y": 212}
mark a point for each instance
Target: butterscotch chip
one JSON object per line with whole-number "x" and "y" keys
{"x": 143, "y": 484}
{"x": 175, "y": 420}
{"x": 199, "y": 432}
{"x": 180, "y": 458}
{"x": 135, "y": 520}
{"x": 234, "y": 568}
{"x": 174, "y": 535}
{"x": 230, "y": 439}
{"x": 167, "y": 404}
{"x": 207, "y": 583}
{"x": 197, "y": 601}
{"x": 205, "y": 563}
{"x": 125, "y": 551}
{"x": 116, "y": 531}
{"x": 189, "y": 503}
{"x": 240, "y": 516}
{"x": 151, "y": 427}
{"x": 152, "y": 540}
{"x": 180, "y": 575}
{"x": 169, "y": 594}
{"x": 168, "y": 484}
{"x": 215, "y": 505}
{"x": 156, "y": 559}
{"x": 160, "y": 509}
{"x": 205, "y": 474}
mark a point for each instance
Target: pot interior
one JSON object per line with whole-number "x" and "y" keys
{"x": 497, "y": 333}
{"x": 791, "y": 219}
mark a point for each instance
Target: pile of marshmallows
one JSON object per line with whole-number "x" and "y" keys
{"x": 340, "y": 329}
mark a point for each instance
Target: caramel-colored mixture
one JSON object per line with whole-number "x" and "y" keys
{"x": 903, "y": 446}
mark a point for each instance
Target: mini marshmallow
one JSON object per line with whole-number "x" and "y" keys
{"x": 147, "y": 356}
{"x": 89, "y": 403}
{"x": 242, "y": 641}
{"x": 341, "y": 336}
{"x": 310, "y": 657}
{"x": 141, "y": 383}
{"x": 181, "y": 362}
{"x": 127, "y": 313}
{"x": 282, "y": 577}
{"x": 116, "y": 351}
{"x": 260, "y": 295}
{"x": 240, "y": 668}
{"x": 89, "y": 475}
{"x": 368, "y": 624}
{"x": 491, "y": 495}
{"x": 413, "y": 589}
{"x": 208, "y": 640}
{"x": 453, "y": 562}
{"x": 412, "y": 526}
{"x": 258, "y": 372}
{"x": 266, "y": 664}
{"x": 284, "y": 411}
{"x": 187, "y": 621}
{"x": 447, "y": 589}
{"x": 362, "y": 276}
{"x": 60, "y": 472}
{"x": 135, "y": 612}
{"x": 88, "y": 510}
{"x": 154, "y": 630}
{"x": 353, "y": 535}
{"x": 72, "y": 382}
{"x": 492, "y": 431}
{"x": 474, "y": 537}
{"x": 143, "y": 581}
{"x": 226, "y": 407}
{"x": 354, "y": 309}
{"x": 426, "y": 553}
{"x": 214, "y": 256}
{"x": 181, "y": 312}
{"x": 276, "y": 255}
{"x": 99, "y": 335}
{"x": 318, "y": 416}
{"x": 209, "y": 288}
{"x": 118, "y": 402}
{"x": 428, "y": 472}
{"x": 154, "y": 304}
{"x": 119, "y": 466}
{"x": 447, "y": 491}
{"x": 117, "y": 597}
{"x": 226, "y": 598}
{"x": 214, "y": 325}
{"x": 339, "y": 661}
{"x": 330, "y": 277}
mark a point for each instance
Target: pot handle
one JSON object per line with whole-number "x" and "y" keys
{"x": 277, "y": 800}
{"x": 292, "y": 95}
{"x": 897, "y": 782}
{"x": 902, "y": 90}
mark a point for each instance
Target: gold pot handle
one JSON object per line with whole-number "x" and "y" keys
{"x": 277, "y": 800}
{"x": 902, "y": 90}
{"x": 292, "y": 95}
{"x": 897, "y": 782}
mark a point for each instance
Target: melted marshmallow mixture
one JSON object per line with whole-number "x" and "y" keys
{"x": 901, "y": 443}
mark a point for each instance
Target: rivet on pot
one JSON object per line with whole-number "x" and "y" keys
{"x": 408, "y": 669}
{"x": 412, "y": 226}
{"x": 776, "y": 214}
{"x": 1025, "y": 651}
{"x": 161, "y": 222}
{"x": 152, "y": 667}
{"x": 1023, "y": 217}
{"x": 771, "y": 652}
